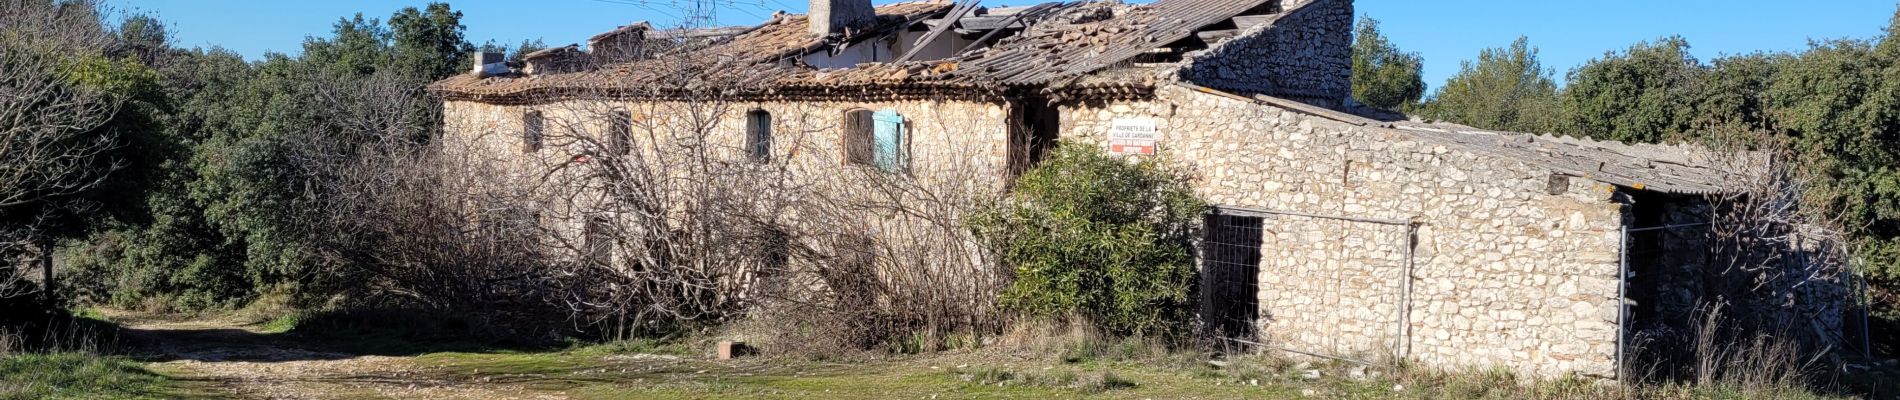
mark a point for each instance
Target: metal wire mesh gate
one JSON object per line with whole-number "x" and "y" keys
{"x": 1230, "y": 269}
{"x": 1333, "y": 285}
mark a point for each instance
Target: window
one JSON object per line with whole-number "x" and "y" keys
{"x": 890, "y": 135}
{"x": 858, "y": 126}
{"x": 620, "y": 133}
{"x": 598, "y": 240}
{"x": 876, "y": 139}
{"x": 532, "y": 125}
{"x": 758, "y": 133}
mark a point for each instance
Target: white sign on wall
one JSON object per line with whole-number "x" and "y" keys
{"x": 1132, "y": 137}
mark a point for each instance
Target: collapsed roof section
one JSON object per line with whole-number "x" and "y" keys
{"x": 937, "y": 48}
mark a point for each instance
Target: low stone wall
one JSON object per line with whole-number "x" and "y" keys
{"x": 1503, "y": 273}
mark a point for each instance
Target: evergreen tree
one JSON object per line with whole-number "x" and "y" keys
{"x": 1730, "y": 91}
{"x": 1382, "y": 75}
{"x": 1641, "y": 95}
{"x": 428, "y": 43}
{"x": 1505, "y": 89}
{"x": 233, "y": 160}
{"x": 1840, "y": 100}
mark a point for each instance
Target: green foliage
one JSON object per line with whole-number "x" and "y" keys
{"x": 1641, "y": 95}
{"x": 1101, "y": 238}
{"x": 1840, "y": 100}
{"x": 526, "y": 47}
{"x": 1506, "y": 88}
{"x": 213, "y": 206}
{"x": 429, "y": 42}
{"x": 121, "y": 77}
{"x": 1382, "y": 75}
{"x": 1731, "y": 90}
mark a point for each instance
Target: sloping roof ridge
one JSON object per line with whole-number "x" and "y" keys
{"x": 1647, "y": 151}
{"x": 572, "y": 47}
{"x": 636, "y": 25}
{"x": 1677, "y": 168}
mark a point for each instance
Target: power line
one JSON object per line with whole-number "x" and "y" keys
{"x": 704, "y": 12}
{"x": 642, "y": 5}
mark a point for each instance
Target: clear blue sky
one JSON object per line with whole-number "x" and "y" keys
{"x": 1444, "y": 31}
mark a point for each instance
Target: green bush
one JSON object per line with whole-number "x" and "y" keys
{"x": 1101, "y": 238}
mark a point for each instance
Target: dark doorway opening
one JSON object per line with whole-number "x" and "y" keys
{"x": 1666, "y": 254}
{"x": 1230, "y": 276}
{"x": 1034, "y": 126}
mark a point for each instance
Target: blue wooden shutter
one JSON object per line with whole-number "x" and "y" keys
{"x": 889, "y": 140}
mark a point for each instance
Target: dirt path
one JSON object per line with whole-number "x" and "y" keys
{"x": 238, "y": 360}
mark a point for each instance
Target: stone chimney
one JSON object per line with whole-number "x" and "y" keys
{"x": 833, "y": 16}
{"x": 487, "y": 63}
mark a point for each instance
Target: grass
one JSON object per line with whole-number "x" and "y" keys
{"x": 1048, "y": 364}
{"x": 282, "y": 323}
{"x": 82, "y": 376}
{"x": 599, "y": 373}
{"x": 935, "y": 376}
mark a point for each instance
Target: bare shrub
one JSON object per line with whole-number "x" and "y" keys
{"x": 1783, "y": 257}
{"x": 1753, "y": 361}
{"x": 1771, "y": 301}
{"x": 49, "y": 149}
{"x": 660, "y": 216}
{"x": 397, "y": 224}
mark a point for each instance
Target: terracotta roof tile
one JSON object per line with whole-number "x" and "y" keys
{"x": 1061, "y": 47}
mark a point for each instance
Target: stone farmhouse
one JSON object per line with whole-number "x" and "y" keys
{"x": 1338, "y": 232}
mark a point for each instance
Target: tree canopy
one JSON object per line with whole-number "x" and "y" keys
{"x": 1384, "y": 76}
{"x": 1505, "y": 88}
{"x": 1640, "y": 95}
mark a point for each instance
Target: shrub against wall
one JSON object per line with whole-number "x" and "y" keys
{"x": 1101, "y": 238}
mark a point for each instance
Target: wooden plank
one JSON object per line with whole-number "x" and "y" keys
{"x": 1007, "y": 11}
{"x": 956, "y": 13}
{"x": 1038, "y": 10}
{"x": 992, "y": 22}
{"x": 1249, "y": 21}
{"x": 1215, "y": 36}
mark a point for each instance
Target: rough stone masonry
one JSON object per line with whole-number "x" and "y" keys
{"x": 1503, "y": 274}
{"x": 1345, "y": 236}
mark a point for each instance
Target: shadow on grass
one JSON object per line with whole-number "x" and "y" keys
{"x": 335, "y": 336}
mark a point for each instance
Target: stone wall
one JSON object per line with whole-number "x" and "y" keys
{"x": 1504, "y": 273}
{"x": 957, "y": 151}
{"x": 833, "y": 16}
{"x": 623, "y": 44}
{"x": 947, "y": 141}
{"x": 1306, "y": 55}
